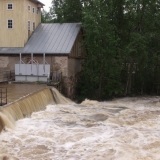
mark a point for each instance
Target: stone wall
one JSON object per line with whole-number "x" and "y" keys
{"x": 4, "y": 61}
{"x": 68, "y": 66}
{"x": 74, "y": 67}
{"x": 7, "y": 63}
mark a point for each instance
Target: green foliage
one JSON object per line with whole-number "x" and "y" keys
{"x": 101, "y": 72}
{"x": 46, "y": 17}
{"x": 141, "y": 28}
{"x": 67, "y": 10}
{"x": 122, "y": 42}
{"x": 123, "y": 48}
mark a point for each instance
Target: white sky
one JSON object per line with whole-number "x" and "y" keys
{"x": 47, "y": 4}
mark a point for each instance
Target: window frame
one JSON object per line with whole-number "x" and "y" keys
{"x": 29, "y": 25}
{"x": 8, "y": 6}
{"x": 37, "y": 11}
{"x": 33, "y": 10}
{"x": 8, "y": 23}
{"x": 33, "y": 26}
{"x": 29, "y": 8}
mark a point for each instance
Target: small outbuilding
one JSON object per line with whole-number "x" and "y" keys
{"x": 56, "y": 47}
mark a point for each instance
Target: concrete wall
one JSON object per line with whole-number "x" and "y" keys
{"x": 18, "y": 35}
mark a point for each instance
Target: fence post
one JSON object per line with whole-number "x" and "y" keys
{"x": 10, "y": 75}
{"x": 6, "y": 95}
{"x": 1, "y": 97}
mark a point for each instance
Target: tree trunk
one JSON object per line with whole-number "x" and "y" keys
{"x": 129, "y": 80}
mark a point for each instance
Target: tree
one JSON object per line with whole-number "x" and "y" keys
{"x": 46, "y": 17}
{"x": 67, "y": 10}
{"x": 140, "y": 24}
{"x": 101, "y": 74}
{"x": 122, "y": 42}
{"x": 122, "y": 39}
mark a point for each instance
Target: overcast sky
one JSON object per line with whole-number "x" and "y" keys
{"x": 47, "y": 4}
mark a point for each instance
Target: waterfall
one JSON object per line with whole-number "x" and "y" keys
{"x": 27, "y": 105}
{"x": 59, "y": 98}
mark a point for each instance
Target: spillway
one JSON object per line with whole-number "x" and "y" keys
{"x": 26, "y": 106}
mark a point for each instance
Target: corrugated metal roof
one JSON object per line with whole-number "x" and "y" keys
{"x": 55, "y": 38}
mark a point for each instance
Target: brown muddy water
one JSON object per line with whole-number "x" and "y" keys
{"x": 122, "y": 129}
{"x": 17, "y": 91}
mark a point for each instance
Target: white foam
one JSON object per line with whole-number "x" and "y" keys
{"x": 130, "y": 131}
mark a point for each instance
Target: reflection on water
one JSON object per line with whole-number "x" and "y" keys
{"x": 123, "y": 129}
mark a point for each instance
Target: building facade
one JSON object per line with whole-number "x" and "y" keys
{"x": 24, "y": 39}
{"x": 18, "y": 20}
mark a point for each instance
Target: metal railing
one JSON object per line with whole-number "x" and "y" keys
{"x": 6, "y": 76}
{"x": 3, "y": 96}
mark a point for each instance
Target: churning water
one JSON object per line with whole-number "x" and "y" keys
{"x": 122, "y": 129}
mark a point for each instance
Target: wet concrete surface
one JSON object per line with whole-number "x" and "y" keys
{"x": 17, "y": 91}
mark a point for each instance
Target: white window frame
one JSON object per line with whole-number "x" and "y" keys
{"x": 29, "y": 8}
{"x": 29, "y": 25}
{"x": 37, "y": 11}
{"x": 34, "y": 26}
{"x": 33, "y": 10}
{"x": 8, "y": 5}
{"x": 8, "y": 23}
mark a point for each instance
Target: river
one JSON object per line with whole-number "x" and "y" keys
{"x": 122, "y": 129}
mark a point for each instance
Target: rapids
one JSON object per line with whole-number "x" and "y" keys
{"x": 122, "y": 129}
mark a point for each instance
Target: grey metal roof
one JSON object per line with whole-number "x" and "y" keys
{"x": 53, "y": 38}
{"x": 36, "y": 1}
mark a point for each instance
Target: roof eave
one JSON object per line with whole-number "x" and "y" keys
{"x": 57, "y": 54}
{"x": 38, "y": 2}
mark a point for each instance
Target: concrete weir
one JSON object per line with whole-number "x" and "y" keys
{"x": 26, "y": 105}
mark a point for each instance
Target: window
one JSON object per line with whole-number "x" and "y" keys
{"x": 33, "y": 26}
{"x": 29, "y": 26}
{"x": 37, "y": 10}
{"x": 10, "y": 6}
{"x": 29, "y": 8}
{"x": 10, "y": 24}
{"x": 33, "y": 10}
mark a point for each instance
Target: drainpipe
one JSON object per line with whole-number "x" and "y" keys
{"x": 20, "y": 58}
